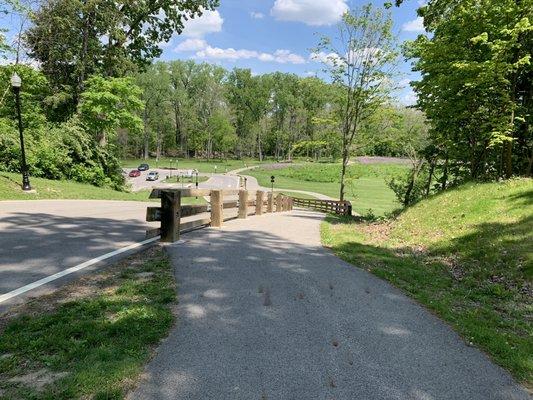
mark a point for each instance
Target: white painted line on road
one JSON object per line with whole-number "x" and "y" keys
{"x": 71, "y": 270}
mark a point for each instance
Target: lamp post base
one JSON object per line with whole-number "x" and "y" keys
{"x": 26, "y": 182}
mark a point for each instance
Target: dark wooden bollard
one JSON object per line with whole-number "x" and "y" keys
{"x": 170, "y": 216}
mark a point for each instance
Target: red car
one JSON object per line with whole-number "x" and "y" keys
{"x": 135, "y": 173}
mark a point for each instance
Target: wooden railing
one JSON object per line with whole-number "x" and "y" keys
{"x": 328, "y": 206}
{"x": 172, "y": 211}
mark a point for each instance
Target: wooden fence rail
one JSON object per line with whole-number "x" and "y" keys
{"x": 328, "y": 206}
{"x": 171, "y": 212}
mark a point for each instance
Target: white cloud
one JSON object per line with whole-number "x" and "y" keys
{"x": 198, "y": 27}
{"x": 404, "y": 83}
{"x": 279, "y": 56}
{"x": 331, "y": 59}
{"x": 311, "y": 12}
{"x": 409, "y": 99}
{"x": 191, "y": 44}
{"x": 416, "y": 25}
{"x": 257, "y": 15}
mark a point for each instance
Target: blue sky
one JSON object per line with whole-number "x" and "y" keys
{"x": 277, "y": 35}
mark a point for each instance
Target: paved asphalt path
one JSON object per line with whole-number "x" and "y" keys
{"x": 41, "y": 237}
{"x": 265, "y": 312}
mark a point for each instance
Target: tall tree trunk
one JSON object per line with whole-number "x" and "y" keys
{"x": 445, "y": 174}
{"x": 345, "y": 154}
{"x": 430, "y": 178}
{"x": 259, "y": 148}
{"x": 146, "y": 136}
{"x": 508, "y": 145}
{"x": 417, "y": 167}
{"x": 87, "y": 23}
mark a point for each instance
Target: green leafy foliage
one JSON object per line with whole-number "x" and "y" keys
{"x": 75, "y": 39}
{"x": 476, "y": 84}
{"x": 74, "y": 149}
{"x": 107, "y": 105}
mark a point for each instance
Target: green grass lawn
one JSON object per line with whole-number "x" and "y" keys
{"x": 10, "y": 189}
{"x": 467, "y": 254}
{"x": 92, "y": 338}
{"x": 366, "y": 184}
{"x": 200, "y": 165}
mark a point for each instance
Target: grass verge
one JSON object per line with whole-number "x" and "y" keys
{"x": 91, "y": 338}
{"x": 466, "y": 254}
{"x": 10, "y": 189}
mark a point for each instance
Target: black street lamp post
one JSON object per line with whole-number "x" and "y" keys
{"x": 16, "y": 83}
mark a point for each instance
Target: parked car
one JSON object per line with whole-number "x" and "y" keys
{"x": 143, "y": 167}
{"x": 152, "y": 176}
{"x": 134, "y": 173}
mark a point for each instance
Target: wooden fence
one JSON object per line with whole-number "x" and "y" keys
{"x": 172, "y": 211}
{"x": 328, "y": 206}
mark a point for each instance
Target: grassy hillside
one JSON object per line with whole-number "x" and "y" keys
{"x": 366, "y": 184}
{"x": 467, "y": 254}
{"x": 49, "y": 189}
{"x": 10, "y": 189}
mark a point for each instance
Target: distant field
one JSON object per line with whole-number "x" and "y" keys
{"x": 366, "y": 184}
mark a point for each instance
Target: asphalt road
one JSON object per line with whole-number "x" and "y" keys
{"x": 42, "y": 237}
{"x": 267, "y": 313}
{"x": 214, "y": 181}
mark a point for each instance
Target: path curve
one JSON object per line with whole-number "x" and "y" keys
{"x": 265, "y": 312}
{"x": 252, "y": 183}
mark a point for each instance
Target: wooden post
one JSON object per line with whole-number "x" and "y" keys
{"x": 259, "y": 202}
{"x": 217, "y": 212}
{"x": 243, "y": 204}
{"x": 170, "y": 216}
{"x": 279, "y": 199}
{"x": 270, "y": 202}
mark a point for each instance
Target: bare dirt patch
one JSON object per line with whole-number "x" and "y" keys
{"x": 38, "y": 380}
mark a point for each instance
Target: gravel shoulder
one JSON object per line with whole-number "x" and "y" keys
{"x": 266, "y": 312}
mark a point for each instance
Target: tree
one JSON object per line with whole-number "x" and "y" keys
{"x": 476, "y": 86}
{"x": 248, "y": 95}
{"x": 74, "y": 39}
{"x": 156, "y": 95}
{"x": 8, "y": 7}
{"x": 360, "y": 63}
{"x": 110, "y": 104}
